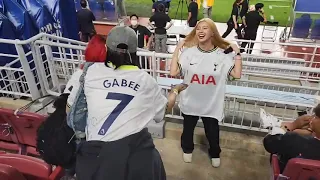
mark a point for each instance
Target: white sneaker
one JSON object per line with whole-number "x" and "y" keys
{"x": 215, "y": 162}
{"x": 187, "y": 158}
{"x": 268, "y": 120}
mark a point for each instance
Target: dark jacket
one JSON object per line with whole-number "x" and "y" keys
{"x": 131, "y": 158}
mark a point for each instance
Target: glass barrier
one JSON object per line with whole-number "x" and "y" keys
{"x": 106, "y": 10}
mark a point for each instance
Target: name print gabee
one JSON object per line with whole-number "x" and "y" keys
{"x": 121, "y": 83}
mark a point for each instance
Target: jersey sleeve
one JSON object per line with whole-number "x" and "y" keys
{"x": 228, "y": 65}
{"x": 72, "y": 87}
{"x": 159, "y": 103}
{"x": 183, "y": 62}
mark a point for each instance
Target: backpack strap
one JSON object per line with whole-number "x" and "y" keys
{"x": 77, "y": 118}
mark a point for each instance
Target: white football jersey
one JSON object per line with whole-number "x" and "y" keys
{"x": 120, "y": 102}
{"x": 73, "y": 83}
{"x": 206, "y": 73}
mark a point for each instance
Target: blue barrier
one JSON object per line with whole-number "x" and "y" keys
{"x": 40, "y": 15}
{"x": 64, "y": 13}
{"x": 20, "y": 18}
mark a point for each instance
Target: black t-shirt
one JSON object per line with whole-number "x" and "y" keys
{"x": 85, "y": 18}
{"x": 157, "y": 3}
{"x": 244, "y": 8}
{"x": 193, "y": 9}
{"x": 253, "y": 20}
{"x": 141, "y": 31}
{"x": 292, "y": 145}
{"x": 160, "y": 20}
{"x": 235, "y": 12}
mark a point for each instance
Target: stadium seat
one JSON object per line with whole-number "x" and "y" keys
{"x": 31, "y": 167}
{"x": 109, "y": 10}
{"x": 8, "y": 172}
{"x": 25, "y": 127}
{"x": 8, "y": 138}
{"x": 302, "y": 26}
{"x": 296, "y": 169}
{"x": 97, "y": 9}
{"x": 315, "y": 32}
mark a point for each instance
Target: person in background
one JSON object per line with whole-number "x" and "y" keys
{"x": 160, "y": 20}
{"x": 156, "y": 5}
{"x": 145, "y": 37}
{"x": 192, "y": 13}
{"x": 243, "y": 11}
{"x": 233, "y": 21}
{"x": 141, "y": 32}
{"x": 121, "y": 10}
{"x": 168, "y": 5}
{"x": 207, "y": 7}
{"x": 205, "y": 68}
{"x": 251, "y": 23}
{"x": 85, "y": 20}
{"x": 300, "y": 138}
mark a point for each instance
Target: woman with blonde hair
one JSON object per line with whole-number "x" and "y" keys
{"x": 205, "y": 68}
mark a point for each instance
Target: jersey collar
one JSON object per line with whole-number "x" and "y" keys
{"x": 127, "y": 67}
{"x": 204, "y": 51}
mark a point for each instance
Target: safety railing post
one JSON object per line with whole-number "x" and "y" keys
{"x": 154, "y": 65}
{"x": 38, "y": 59}
{"x": 313, "y": 55}
{"x": 27, "y": 72}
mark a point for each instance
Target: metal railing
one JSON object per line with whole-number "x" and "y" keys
{"x": 51, "y": 61}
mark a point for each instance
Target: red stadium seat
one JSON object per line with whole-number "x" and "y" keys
{"x": 25, "y": 127}
{"x": 8, "y": 172}
{"x": 32, "y": 168}
{"x": 8, "y": 138}
{"x": 296, "y": 169}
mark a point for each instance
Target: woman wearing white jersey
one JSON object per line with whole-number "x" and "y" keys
{"x": 121, "y": 101}
{"x": 205, "y": 68}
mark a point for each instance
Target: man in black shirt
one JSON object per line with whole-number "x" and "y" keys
{"x": 251, "y": 23}
{"x": 85, "y": 22}
{"x": 243, "y": 12}
{"x": 160, "y": 20}
{"x": 233, "y": 21}
{"x": 145, "y": 37}
{"x": 193, "y": 13}
{"x": 300, "y": 138}
{"x": 142, "y": 32}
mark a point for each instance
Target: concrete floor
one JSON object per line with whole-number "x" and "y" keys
{"x": 239, "y": 167}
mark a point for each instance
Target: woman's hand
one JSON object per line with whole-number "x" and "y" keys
{"x": 180, "y": 87}
{"x": 235, "y": 48}
{"x": 180, "y": 45}
{"x": 302, "y": 122}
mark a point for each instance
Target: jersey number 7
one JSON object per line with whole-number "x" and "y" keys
{"x": 124, "y": 101}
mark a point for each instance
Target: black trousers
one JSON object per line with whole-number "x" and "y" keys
{"x": 249, "y": 35}
{"x": 131, "y": 158}
{"x": 211, "y": 128}
{"x": 230, "y": 28}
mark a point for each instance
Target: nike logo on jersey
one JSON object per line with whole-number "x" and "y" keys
{"x": 203, "y": 79}
{"x": 193, "y": 64}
